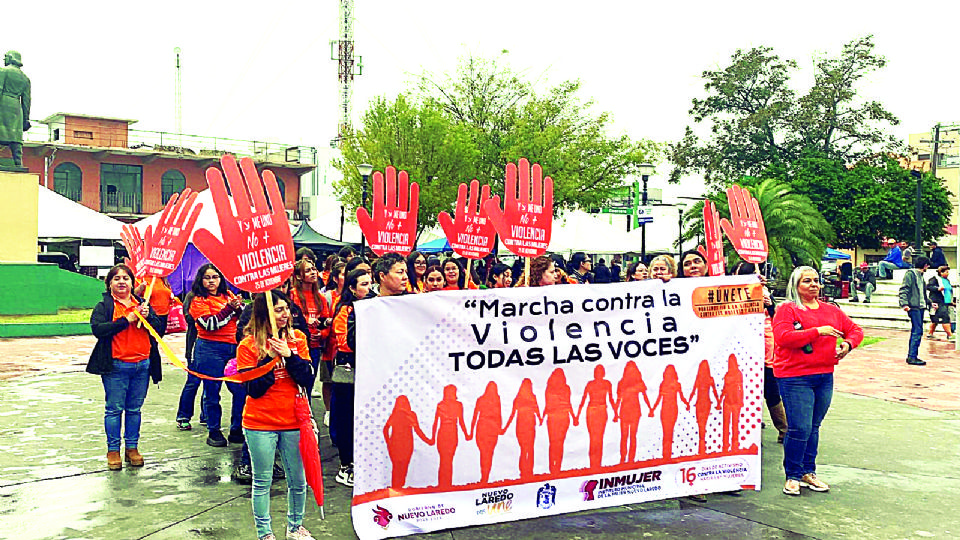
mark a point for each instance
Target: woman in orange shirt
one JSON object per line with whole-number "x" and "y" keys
{"x": 305, "y": 293}
{"x": 161, "y": 298}
{"x": 433, "y": 279}
{"x": 123, "y": 357}
{"x": 456, "y": 278}
{"x": 356, "y": 287}
{"x": 416, "y": 272}
{"x": 215, "y": 311}
{"x": 269, "y": 421}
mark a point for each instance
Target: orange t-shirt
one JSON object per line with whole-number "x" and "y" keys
{"x": 272, "y": 411}
{"x": 161, "y": 297}
{"x": 211, "y": 305}
{"x": 340, "y": 328}
{"x": 131, "y": 344}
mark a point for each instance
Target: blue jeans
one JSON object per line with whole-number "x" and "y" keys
{"x": 211, "y": 358}
{"x": 806, "y": 400}
{"x": 125, "y": 388}
{"x": 885, "y": 269}
{"x": 916, "y": 331}
{"x": 188, "y": 396}
{"x": 263, "y": 446}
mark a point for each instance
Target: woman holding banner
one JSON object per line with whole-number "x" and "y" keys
{"x": 637, "y": 272}
{"x": 500, "y": 277}
{"x": 806, "y": 332}
{"x": 456, "y": 277}
{"x": 663, "y": 267}
{"x": 692, "y": 264}
{"x": 215, "y": 311}
{"x": 355, "y": 287}
{"x": 269, "y": 422}
{"x": 125, "y": 357}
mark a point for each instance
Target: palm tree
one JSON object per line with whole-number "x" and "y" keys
{"x": 797, "y": 233}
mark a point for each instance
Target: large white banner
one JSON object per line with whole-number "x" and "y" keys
{"x": 477, "y": 407}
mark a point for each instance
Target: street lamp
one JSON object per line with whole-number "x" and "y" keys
{"x": 646, "y": 170}
{"x": 680, "y": 208}
{"x": 364, "y": 169}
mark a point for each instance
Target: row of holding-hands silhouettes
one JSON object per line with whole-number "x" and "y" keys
{"x": 486, "y": 425}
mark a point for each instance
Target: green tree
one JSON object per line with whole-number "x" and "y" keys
{"x": 756, "y": 120}
{"x": 871, "y": 201}
{"x": 416, "y": 137}
{"x": 508, "y": 120}
{"x": 797, "y": 233}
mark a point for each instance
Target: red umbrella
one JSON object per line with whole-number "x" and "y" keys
{"x": 309, "y": 449}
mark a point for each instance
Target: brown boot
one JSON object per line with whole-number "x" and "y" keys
{"x": 779, "y": 417}
{"x": 114, "y": 463}
{"x": 134, "y": 458}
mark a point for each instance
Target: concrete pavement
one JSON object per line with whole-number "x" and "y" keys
{"x": 888, "y": 448}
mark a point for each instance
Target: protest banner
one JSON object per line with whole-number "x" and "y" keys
{"x": 745, "y": 228}
{"x": 714, "y": 240}
{"x": 470, "y": 232}
{"x": 526, "y": 220}
{"x": 504, "y": 404}
{"x": 393, "y": 226}
{"x": 256, "y": 252}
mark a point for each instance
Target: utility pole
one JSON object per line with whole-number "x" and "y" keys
{"x": 918, "y": 207}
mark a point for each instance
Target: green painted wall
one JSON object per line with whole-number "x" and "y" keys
{"x": 40, "y": 288}
{"x": 44, "y": 330}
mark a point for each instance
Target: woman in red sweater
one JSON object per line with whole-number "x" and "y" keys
{"x": 806, "y": 332}
{"x": 269, "y": 421}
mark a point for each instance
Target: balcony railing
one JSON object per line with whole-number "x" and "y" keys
{"x": 193, "y": 145}
{"x": 121, "y": 203}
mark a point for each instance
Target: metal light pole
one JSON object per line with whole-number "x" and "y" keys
{"x": 646, "y": 170}
{"x": 680, "y": 208}
{"x": 364, "y": 169}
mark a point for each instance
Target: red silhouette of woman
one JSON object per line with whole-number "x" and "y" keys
{"x": 599, "y": 390}
{"x": 445, "y": 435}
{"x": 732, "y": 400}
{"x": 702, "y": 387}
{"x": 486, "y": 428}
{"x": 558, "y": 412}
{"x": 398, "y": 432}
{"x": 627, "y": 409}
{"x": 527, "y": 411}
{"x": 670, "y": 390}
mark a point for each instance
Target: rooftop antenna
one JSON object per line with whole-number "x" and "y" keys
{"x": 341, "y": 50}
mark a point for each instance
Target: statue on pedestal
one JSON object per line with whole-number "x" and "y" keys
{"x": 14, "y": 105}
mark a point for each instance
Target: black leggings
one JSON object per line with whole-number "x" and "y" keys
{"x": 771, "y": 393}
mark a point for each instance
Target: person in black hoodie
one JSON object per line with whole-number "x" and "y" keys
{"x": 125, "y": 357}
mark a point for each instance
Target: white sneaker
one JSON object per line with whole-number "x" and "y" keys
{"x": 300, "y": 533}
{"x": 326, "y": 418}
{"x": 345, "y": 475}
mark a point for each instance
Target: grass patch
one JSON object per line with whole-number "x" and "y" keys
{"x": 63, "y": 316}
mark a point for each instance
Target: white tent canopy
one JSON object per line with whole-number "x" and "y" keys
{"x": 61, "y": 219}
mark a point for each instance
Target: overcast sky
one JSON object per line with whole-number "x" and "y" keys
{"x": 264, "y": 72}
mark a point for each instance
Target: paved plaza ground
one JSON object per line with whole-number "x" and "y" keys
{"x": 889, "y": 449}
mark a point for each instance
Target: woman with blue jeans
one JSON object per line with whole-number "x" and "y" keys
{"x": 269, "y": 421}
{"x": 806, "y": 332}
{"x": 125, "y": 357}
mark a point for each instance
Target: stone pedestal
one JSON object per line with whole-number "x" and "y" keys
{"x": 19, "y": 208}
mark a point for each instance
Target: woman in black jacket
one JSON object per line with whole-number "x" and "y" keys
{"x": 125, "y": 357}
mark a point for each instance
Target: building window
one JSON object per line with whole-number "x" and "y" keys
{"x": 172, "y": 182}
{"x": 68, "y": 181}
{"x": 121, "y": 188}
{"x": 83, "y": 135}
{"x": 283, "y": 191}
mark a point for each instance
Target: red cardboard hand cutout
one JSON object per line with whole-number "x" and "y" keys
{"x": 472, "y": 234}
{"x": 134, "y": 244}
{"x": 256, "y": 253}
{"x": 526, "y": 220}
{"x": 714, "y": 241}
{"x": 164, "y": 248}
{"x": 393, "y": 226}
{"x": 745, "y": 228}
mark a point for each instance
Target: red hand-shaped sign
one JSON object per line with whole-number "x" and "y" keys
{"x": 472, "y": 234}
{"x": 256, "y": 253}
{"x": 714, "y": 240}
{"x": 745, "y": 228}
{"x": 393, "y": 226}
{"x": 164, "y": 247}
{"x": 134, "y": 244}
{"x": 525, "y": 223}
